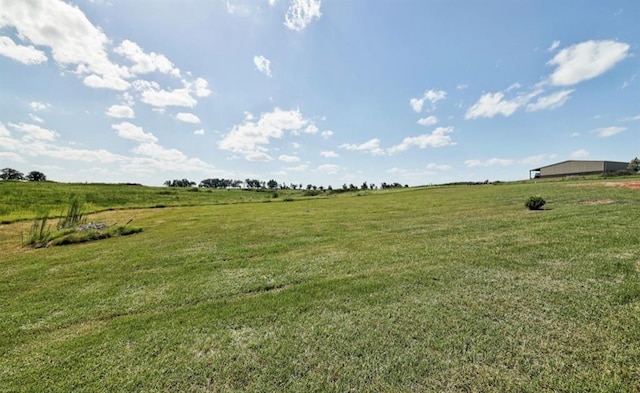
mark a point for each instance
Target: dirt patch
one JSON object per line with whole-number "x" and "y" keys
{"x": 635, "y": 185}
{"x": 599, "y": 202}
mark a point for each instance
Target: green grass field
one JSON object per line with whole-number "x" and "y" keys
{"x": 443, "y": 289}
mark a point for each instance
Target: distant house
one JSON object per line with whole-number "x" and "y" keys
{"x": 575, "y": 168}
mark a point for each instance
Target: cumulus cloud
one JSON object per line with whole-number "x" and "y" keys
{"x": 326, "y": 134}
{"x": 199, "y": 132}
{"x": 188, "y": 118}
{"x": 250, "y": 137}
{"x": 489, "y": 162}
{"x": 76, "y": 44}
{"x": 438, "y": 138}
{"x": 262, "y": 64}
{"x": 120, "y": 112}
{"x": 371, "y": 146}
{"x": 432, "y": 96}
{"x": 39, "y": 106}
{"x": 490, "y": 105}
{"x": 130, "y": 131}
{"x": 301, "y": 13}
{"x": 289, "y": 159}
{"x": 152, "y": 94}
{"x": 329, "y": 169}
{"x": 586, "y": 60}
{"x": 329, "y": 154}
{"x": 580, "y": 154}
{"x": 155, "y": 157}
{"x": 24, "y": 54}
{"x": 605, "y": 132}
{"x": 7, "y": 155}
{"x": 428, "y": 121}
{"x": 34, "y": 132}
{"x": 439, "y": 167}
{"x": 551, "y": 101}
{"x": 144, "y": 63}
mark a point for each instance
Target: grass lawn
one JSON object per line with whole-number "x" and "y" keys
{"x": 425, "y": 289}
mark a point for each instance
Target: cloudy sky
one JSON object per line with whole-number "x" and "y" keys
{"x": 321, "y": 92}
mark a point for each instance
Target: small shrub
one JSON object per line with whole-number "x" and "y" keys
{"x": 535, "y": 203}
{"x": 75, "y": 215}
{"x": 39, "y": 234}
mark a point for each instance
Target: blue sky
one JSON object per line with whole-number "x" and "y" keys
{"x": 316, "y": 92}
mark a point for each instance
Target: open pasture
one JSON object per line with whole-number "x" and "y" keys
{"x": 426, "y": 289}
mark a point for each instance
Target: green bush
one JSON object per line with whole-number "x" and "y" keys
{"x": 535, "y": 203}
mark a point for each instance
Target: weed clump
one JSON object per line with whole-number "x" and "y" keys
{"x": 535, "y": 203}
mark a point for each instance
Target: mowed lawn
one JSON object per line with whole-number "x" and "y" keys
{"x": 412, "y": 290}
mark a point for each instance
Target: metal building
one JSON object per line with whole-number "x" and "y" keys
{"x": 575, "y": 168}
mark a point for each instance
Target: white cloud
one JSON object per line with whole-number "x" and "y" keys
{"x": 586, "y": 60}
{"x": 554, "y": 46}
{"x": 329, "y": 169}
{"x": 438, "y": 138}
{"x": 490, "y": 105}
{"x": 34, "y": 132}
{"x": 39, "y": 106}
{"x": 36, "y": 118}
{"x": 250, "y": 137}
{"x": 158, "y": 158}
{"x": 120, "y": 112}
{"x": 7, "y": 155}
{"x": 130, "y": 131}
{"x": 199, "y": 132}
{"x": 329, "y": 154}
{"x": 301, "y": 13}
{"x": 106, "y": 82}
{"x": 489, "y": 162}
{"x": 371, "y": 146}
{"x": 462, "y": 86}
{"x": 144, "y": 63}
{"x": 605, "y": 132}
{"x": 311, "y": 129}
{"x": 76, "y": 44}
{"x": 152, "y": 94}
{"x": 428, "y": 121}
{"x": 24, "y": 54}
{"x": 262, "y": 64}
{"x": 3, "y": 130}
{"x": 575, "y": 134}
{"x": 272, "y": 2}
{"x": 442, "y": 167}
{"x": 632, "y": 118}
{"x": 201, "y": 88}
{"x": 432, "y": 96}
{"x": 188, "y": 118}
{"x": 299, "y": 168}
{"x": 537, "y": 159}
{"x": 258, "y": 156}
{"x": 326, "y": 134}
{"x": 551, "y": 101}
{"x": 580, "y": 154}
{"x": 289, "y": 159}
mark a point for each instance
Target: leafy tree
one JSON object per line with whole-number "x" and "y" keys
{"x": 11, "y": 174}
{"x": 179, "y": 183}
{"x": 634, "y": 165}
{"x": 36, "y": 176}
{"x": 364, "y": 186}
{"x": 272, "y": 184}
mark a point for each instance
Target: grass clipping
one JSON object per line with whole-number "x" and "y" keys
{"x": 72, "y": 228}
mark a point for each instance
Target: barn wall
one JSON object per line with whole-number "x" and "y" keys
{"x": 573, "y": 168}
{"x": 615, "y": 166}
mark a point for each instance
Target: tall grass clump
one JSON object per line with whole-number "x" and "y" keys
{"x": 40, "y": 233}
{"x": 75, "y": 215}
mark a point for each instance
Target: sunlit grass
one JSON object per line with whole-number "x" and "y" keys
{"x": 432, "y": 289}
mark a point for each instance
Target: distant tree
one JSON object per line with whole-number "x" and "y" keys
{"x": 11, "y": 174}
{"x": 309, "y": 186}
{"x": 294, "y": 186}
{"x": 36, "y": 176}
{"x": 364, "y": 186}
{"x": 179, "y": 183}
{"x": 634, "y": 165}
{"x": 272, "y": 184}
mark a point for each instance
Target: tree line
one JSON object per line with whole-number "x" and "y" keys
{"x": 13, "y": 174}
{"x": 255, "y": 184}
